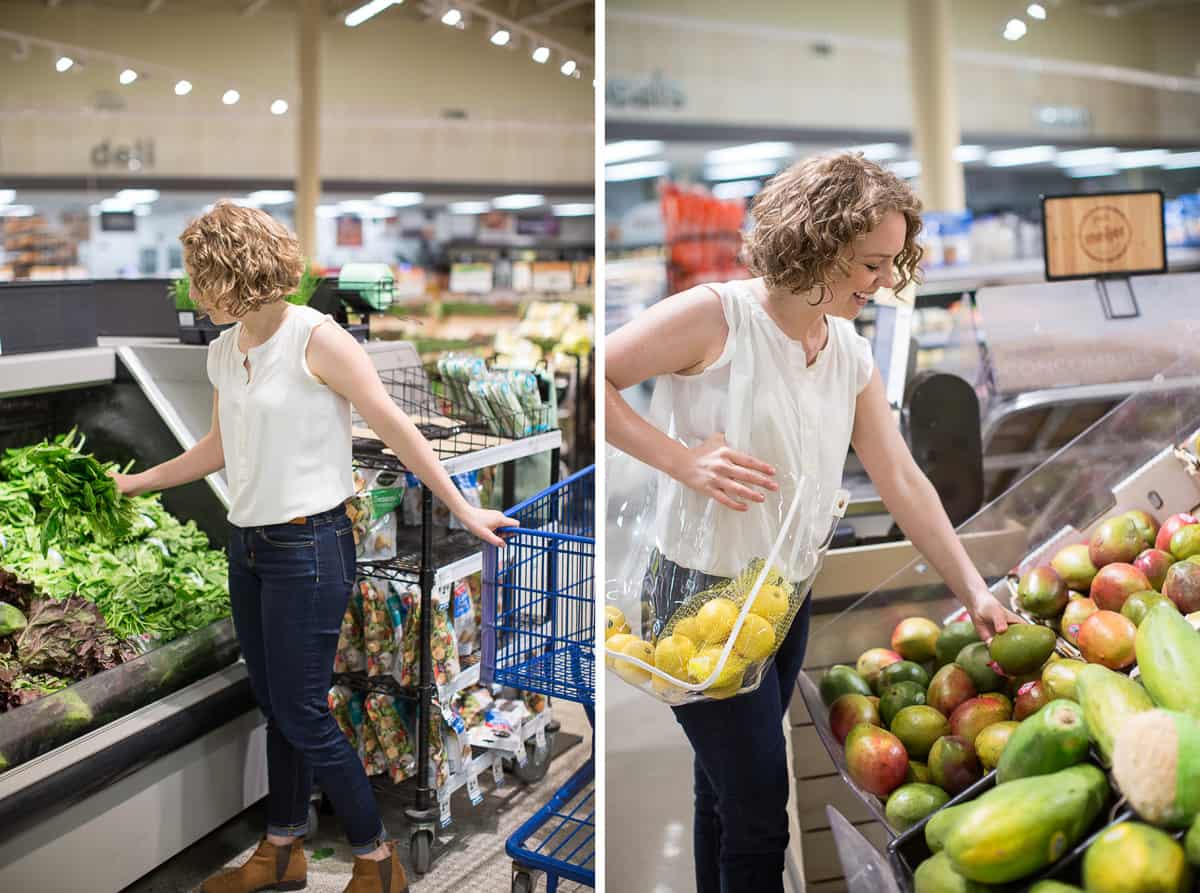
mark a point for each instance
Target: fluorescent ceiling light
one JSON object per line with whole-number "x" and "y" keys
{"x": 272, "y": 196}
{"x": 541, "y": 55}
{"x": 142, "y": 210}
{"x": 1174, "y": 162}
{"x": 518, "y": 201}
{"x": 400, "y": 199}
{"x": 877, "y": 151}
{"x": 905, "y": 169}
{"x": 7, "y": 196}
{"x": 17, "y": 211}
{"x": 469, "y": 207}
{"x": 1144, "y": 158}
{"x": 328, "y": 211}
{"x": 1095, "y": 170}
{"x": 500, "y": 37}
{"x": 453, "y": 18}
{"x": 64, "y": 63}
{"x": 1105, "y": 156}
{"x": 628, "y": 150}
{"x": 575, "y": 209}
{"x": 636, "y": 170}
{"x": 128, "y": 76}
{"x": 356, "y": 206}
{"x": 356, "y": 17}
{"x": 568, "y": 67}
{"x": 138, "y": 196}
{"x": 1037, "y": 11}
{"x": 743, "y": 170}
{"x": 749, "y": 152}
{"x": 1015, "y": 29}
{"x": 736, "y": 189}
{"x": 230, "y": 97}
{"x": 966, "y": 154}
{"x": 279, "y": 107}
{"x": 1024, "y": 155}
{"x": 116, "y": 204}
{"x": 183, "y": 88}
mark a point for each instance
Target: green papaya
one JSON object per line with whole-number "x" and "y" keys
{"x": 1108, "y": 700}
{"x": 1129, "y": 857}
{"x": 937, "y": 875}
{"x": 1023, "y": 826}
{"x": 1168, "y": 656}
{"x": 1156, "y": 764}
{"x": 1053, "y": 739}
{"x": 941, "y": 823}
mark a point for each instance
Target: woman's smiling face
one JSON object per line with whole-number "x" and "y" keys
{"x": 872, "y": 266}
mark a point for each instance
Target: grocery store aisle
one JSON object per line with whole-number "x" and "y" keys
{"x": 468, "y": 857}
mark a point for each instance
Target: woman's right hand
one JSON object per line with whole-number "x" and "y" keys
{"x": 129, "y": 484}
{"x": 722, "y": 473}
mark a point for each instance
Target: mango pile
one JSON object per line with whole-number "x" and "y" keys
{"x": 692, "y": 643}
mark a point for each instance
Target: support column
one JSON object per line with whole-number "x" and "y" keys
{"x": 308, "y": 132}
{"x": 936, "y": 130}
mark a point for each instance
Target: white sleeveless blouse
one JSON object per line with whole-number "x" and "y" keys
{"x": 762, "y": 394}
{"x": 286, "y": 436}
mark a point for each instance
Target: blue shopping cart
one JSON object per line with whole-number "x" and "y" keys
{"x": 539, "y": 635}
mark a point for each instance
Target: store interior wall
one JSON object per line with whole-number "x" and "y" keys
{"x": 402, "y": 99}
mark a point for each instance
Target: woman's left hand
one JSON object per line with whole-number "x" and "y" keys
{"x": 990, "y": 617}
{"x": 484, "y": 523}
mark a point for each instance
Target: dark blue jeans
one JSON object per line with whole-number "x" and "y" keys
{"x": 740, "y": 830}
{"x": 289, "y": 585}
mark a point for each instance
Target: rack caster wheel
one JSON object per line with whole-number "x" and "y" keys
{"x": 522, "y": 882}
{"x": 421, "y": 851}
{"x": 535, "y": 767}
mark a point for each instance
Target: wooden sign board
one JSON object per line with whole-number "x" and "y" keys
{"x": 1107, "y": 234}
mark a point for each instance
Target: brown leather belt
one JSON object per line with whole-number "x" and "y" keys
{"x": 303, "y": 519}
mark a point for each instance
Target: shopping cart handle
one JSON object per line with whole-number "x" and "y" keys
{"x": 548, "y": 534}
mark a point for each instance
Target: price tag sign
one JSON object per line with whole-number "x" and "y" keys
{"x": 444, "y": 807}
{"x": 473, "y": 791}
{"x": 522, "y": 757}
{"x": 498, "y": 771}
{"x": 540, "y": 739}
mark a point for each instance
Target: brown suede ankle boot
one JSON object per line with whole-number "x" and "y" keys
{"x": 270, "y": 868}
{"x": 385, "y": 876}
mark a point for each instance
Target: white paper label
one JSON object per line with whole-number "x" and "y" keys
{"x": 187, "y": 318}
{"x": 498, "y": 771}
{"x": 522, "y": 757}
{"x": 473, "y": 791}
{"x": 444, "y": 806}
{"x": 540, "y": 738}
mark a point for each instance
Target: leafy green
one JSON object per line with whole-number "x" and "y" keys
{"x": 68, "y": 638}
{"x": 181, "y": 290}
{"x": 308, "y": 284}
{"x": 66, "y": 487}
{"x": 322, "y": 853}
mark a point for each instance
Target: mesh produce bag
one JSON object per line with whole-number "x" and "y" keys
{"x": 699, "y": 601}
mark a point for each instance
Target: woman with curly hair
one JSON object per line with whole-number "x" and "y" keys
{"x": 828, "y": 233}
{"x": 283, "y": 380}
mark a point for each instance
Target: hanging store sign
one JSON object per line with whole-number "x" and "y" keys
{"x": 653, "y": 92}
{"x": 127, "y": 157}
{"x": 1107, "y": 234}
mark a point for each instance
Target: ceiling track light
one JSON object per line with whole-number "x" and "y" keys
{"x": 356, "y": 17}
{"x": 64, "y": 64}
{"x": 128, "y": 76}
{"x": 183, "y": 88}
{"x": 453, "y": 17}
{"x": 501, "y": 37}
{"x": 541, "y": 55}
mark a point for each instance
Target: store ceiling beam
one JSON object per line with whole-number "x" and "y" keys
{"x": 254, "y": 6}
{"x": 546, "y": 15}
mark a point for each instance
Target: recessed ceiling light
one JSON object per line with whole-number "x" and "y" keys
{"x": 574, "y": 209}
{"x": 64, "y": 63}
{"x": 500, "y": 37}
{"x": 469, "y": 207}
{"x": 1024, "y": 155}
{"x": 183, "y": 88}
{"x": 231, "y": 97}
{"x": 749, "y": 152}
{"x": 400, "y": 199}
{"x": 128, "y": 76}
{"x": 628, "y": 150}
{"x": 518, "y": 201}
{"x": 453, "y": 18}
{"x": 1036, "y": 11}
{"x": 569, "y": 67}
{"x": 1015, "y": 29}
{"x": 279, "y": 107}
{"x": 636, "y": 170}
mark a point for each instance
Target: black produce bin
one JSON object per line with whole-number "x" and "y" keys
{"x": 41, "y": 316}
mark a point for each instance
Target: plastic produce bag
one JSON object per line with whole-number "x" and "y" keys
{"x": 339, "y": 706}
{"x": 373, "y": 512}
{"x": 370, "y": 752}
{"x": 465, "y": 629}
{"x": 701, "y": 596}
{"x": 379, "y": 634}
{"x": 392, "y": 736}
{"x": 351, "y": 653}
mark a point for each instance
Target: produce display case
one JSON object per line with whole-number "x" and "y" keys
{"x": 1127, "y": 460}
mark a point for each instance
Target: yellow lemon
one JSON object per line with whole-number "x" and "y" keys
{"x": 614, "y": 622}
{"x": 771, "y": 603}
{"x": 632, "y": 673}
{"x": 714, "y": 621}
{"x": 706, "y": 660}
{"x": 689, "y": 628}
{"x": 614, "y": 644}
{"x": 756, "y": 639}
{"x": 672, "y": 655}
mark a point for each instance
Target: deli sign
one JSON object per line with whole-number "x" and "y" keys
{"x": 135, "y": 156}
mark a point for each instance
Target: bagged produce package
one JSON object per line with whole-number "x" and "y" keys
{"x": 443, "y": 643}
{"x": 351, "y": 655}
{"x": 339, "y": 706}
{"x": 370, "y": 751}
{"x": 465, "y": 629}
{"x": 700, "y": 596}
{"x": 393, "y": 737}
{"x": 379, "y": 630}
{"x": 373, "y": 512}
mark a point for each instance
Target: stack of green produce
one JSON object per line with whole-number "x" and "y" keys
{"x": 923, "y": 720}
{"x": 89, "y": 578}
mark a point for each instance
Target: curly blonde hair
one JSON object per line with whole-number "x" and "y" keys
{"x": 240, "y": 259}
{"x": 807, "y": 218}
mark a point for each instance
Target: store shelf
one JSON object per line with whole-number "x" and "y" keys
{"x": 456, "y": 452}
{"x": 387, "y": 684}
{"x": 456, "y": 554}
